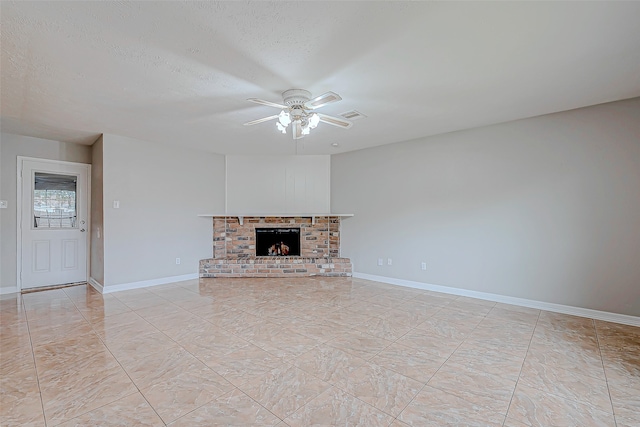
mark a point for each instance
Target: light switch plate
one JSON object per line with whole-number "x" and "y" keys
{"x": 116, "y": 204}
{"x": 4, "y": 204}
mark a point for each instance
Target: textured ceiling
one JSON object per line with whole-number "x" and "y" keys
{"x": 180, "y": 72}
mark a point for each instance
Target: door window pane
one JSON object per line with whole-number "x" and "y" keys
{"x": 54, "y": 201}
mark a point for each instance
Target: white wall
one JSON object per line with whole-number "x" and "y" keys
{"x": 546, "y": 208}
{"x": 8, "y": 289}
{"x": 161, "y": 191}
{"x": 12, "y": 146}
{"x": 96, "y": 270}
{"x": 278, "y": 184}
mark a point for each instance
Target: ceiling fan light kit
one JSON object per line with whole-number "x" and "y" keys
{"x": 297, "y": 111}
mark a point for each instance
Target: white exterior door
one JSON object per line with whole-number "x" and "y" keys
{"x": 53, "y": 214}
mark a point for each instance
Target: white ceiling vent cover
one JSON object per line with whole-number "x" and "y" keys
{"x": 352, "y": 115}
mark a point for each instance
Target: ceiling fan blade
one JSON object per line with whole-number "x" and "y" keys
{"x": 341, "y": 123}
{"x": 267, "y": 103}
{"x": 324, "y": 99}
{"x": 264, "y": 119}
{"x": 297, "y": 129}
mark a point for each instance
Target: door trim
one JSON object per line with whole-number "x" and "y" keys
{"x": 21, "y": 160}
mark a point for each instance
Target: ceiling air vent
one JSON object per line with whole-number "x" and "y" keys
{"x": 352, "y": 115}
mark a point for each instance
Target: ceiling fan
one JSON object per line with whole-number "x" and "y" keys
{"x": 297, "y": 110}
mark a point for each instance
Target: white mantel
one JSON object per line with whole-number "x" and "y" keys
{"x": 241, "y": 216}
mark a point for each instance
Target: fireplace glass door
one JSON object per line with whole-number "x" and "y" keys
{"x": 277, "y": 242}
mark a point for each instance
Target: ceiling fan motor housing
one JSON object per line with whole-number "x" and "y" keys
{"x": 297, "y": 112}
{"x": 293, "y": 97}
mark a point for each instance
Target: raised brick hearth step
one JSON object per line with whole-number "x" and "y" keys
{"x": 275, "y": 267}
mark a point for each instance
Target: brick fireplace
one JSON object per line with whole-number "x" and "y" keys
{"x": 234, "y": 248}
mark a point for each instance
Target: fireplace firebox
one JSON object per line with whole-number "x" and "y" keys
{"x": 277, "y": 241}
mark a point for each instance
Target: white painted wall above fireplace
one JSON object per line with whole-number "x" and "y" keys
{"x": 283, "y": 184}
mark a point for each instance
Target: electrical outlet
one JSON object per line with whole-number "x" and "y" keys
{"x": 423, "y": 266}
{"x": 389, "y": 262}
{"x": 4, "y": 204}
{"x": 177, "y": 261}
{"x": 380, "y": 261}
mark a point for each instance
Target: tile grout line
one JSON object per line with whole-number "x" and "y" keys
{"x": 336, "y": 387}
{"x": 224, "y": 394}
{"x": 443, "y": 363}
{"x": 570, "y": 399}
{"x": 449, "y": 357}
{"x": 33, "y": 356}
{"x": 376, "y": 326}
{"x": 186, "y": 351}
{"x": 606, "y": 379}
{"x": 121, "y": 367}
{"x": 236, "y": 387}
{"x": 440, "y": 308}
{"x": 291, "y": 364}
{"x": 521, "y": 367}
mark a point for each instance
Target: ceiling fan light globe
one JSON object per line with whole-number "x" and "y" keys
{"x": 281, "y": 128}
{"x": 314, "y": 119}
{"x": 284, "y": 118}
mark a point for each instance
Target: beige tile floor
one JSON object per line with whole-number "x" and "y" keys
{"x": 302, "y": 352}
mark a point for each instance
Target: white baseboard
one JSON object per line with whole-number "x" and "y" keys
{"x": 96, "y": 285}
{"x": 146, "y": 283}
{"x": 557, "y": 308}
{"x": 9, "y": 290}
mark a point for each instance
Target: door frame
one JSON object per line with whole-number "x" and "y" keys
{"x": 19, "y": 207}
